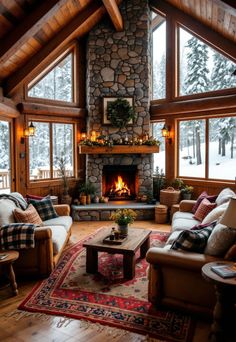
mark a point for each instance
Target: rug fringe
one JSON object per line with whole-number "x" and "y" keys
{"x": 64, "y": 322}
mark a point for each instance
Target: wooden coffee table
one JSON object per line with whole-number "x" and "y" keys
{"x": 137, "y": 238}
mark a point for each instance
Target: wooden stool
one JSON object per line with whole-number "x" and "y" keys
{"x": 161, "y": 212}
{"x": 7, "y": 262}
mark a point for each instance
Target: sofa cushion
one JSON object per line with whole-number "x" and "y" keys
{"x": 65, "y": 221}
{"x": 30, "y": 215}
{"x": 6, "y": 211}
{"x": 183, "y": 220}
{"x": 204, "y": 208}
{"x": 224, "y": 196}
{"x": 59, "y": 236}
{"x": 204, "y": 194}
{"x": 44, "y": 208}
{"x": 215, "y": 214}
{"x": 221, "y": 239}
{"x": 193, "y": 240}
{"x": 173, "y": 236}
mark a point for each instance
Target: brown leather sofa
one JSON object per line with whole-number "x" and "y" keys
{"x": 175, "y": 279}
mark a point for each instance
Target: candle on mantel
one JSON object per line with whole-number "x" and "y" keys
{"x": 93, "y": 136}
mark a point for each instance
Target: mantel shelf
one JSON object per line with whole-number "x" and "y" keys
{"x": 118, "y": 149}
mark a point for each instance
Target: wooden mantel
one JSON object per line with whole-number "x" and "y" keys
{"x": 118, "y": 149}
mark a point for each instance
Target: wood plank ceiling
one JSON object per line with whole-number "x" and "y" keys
{"x": 27, "y": 27}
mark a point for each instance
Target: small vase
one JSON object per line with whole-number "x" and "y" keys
{"x": 88, "y": 199}
{"x": 83, "y": 200}
{"x": 123, "y": 230}
{"x": 187, "y": 196}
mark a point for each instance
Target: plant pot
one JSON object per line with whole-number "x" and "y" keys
{"x": 83, "y": 199}
{"x": 123, "y": 230}
{"x": 187, "y": 196}
{"x": 88, "y": 199}
{"x": 66, "y": 199}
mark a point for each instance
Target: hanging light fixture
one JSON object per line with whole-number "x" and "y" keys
{"x": 31, "y": 129}
{"x": 165, "y": 132}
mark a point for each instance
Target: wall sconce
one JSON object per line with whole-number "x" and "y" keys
{"x": 28, "y": 132}
{"x": 166, "y": 133}
{"x": 83, "y": 136}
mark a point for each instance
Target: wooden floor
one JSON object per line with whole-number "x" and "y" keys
{"x": 50, "y": 329}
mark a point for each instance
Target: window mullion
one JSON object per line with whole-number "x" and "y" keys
{"x": 207, "y": 150}
{"x": 51, "y": 150}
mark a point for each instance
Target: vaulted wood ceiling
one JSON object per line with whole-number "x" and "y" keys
{"x": 36, "y": 28}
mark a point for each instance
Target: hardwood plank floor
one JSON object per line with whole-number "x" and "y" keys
{"x": 42, "y": 328}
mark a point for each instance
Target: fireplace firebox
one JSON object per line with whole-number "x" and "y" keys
{"x": 120, "y": 182}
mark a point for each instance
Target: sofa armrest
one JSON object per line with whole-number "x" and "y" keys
{"x": 178, "y": 259}
{"x": 186, "y": 205}
{"x": 62, "y": 209}
{"x": 43, "y": 233}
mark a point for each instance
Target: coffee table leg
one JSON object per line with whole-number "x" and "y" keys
{"x": 91, "y": 260}
{"x": 129, "y": 266}
{"x": 145, "y": 247}
{"x": 12, "y": 279}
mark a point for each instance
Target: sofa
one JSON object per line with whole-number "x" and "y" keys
{"x": 175, "y": 279}
{"x": 49, "y": 239}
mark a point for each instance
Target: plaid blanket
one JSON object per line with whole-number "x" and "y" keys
{"x": 17, "y": 236}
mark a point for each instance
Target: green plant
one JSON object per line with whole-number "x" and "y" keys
{"x": 178, "y": 183}
{"x": 120, "y": 112}
{"x": 188, "y": 189}
{"x": 61, "y": 163}
{"x": 159, "y": 182}
{"x": 87, "y": 188}
{"x": 123, "y": 216}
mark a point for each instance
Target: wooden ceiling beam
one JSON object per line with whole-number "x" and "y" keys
{"x": 28, "y": 27}
{"x": 114, "y": 13}
{"x": 78, "y": 27}
{"x": 205, "y": 33}
{"x": 7, "y": 107}
{"x": 227, "y": 4}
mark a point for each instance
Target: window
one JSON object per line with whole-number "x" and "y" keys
{"x": 202, "y": 69}
{"x": 212, "y": 159}
{"x": 51, "y": 142}
{"x": 159, "y": 158}
{"x": 57, "y": 84}
{"x": 5, "y": 160}
{"x": 158, "y": 56}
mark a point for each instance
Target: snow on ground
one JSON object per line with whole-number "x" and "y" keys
{"x": 219, "y": 167}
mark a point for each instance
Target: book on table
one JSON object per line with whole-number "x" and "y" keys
{"x": 225, "y": 271}
{"x": 3, "y": 256}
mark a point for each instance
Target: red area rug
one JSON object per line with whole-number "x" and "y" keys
{"x": 106, "y": 298}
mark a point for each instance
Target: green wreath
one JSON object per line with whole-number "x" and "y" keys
{"x": 120, "y": 112}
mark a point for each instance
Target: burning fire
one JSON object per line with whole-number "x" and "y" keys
{"x": 120, "y": 188}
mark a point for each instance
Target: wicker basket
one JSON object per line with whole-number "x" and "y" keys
{"x": 169, "y": 196}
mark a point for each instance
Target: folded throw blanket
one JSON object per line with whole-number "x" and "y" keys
{"x": 17, "y": 198}
{"x": 17, "y": 236}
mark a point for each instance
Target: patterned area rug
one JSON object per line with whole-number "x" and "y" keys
{"x": 106, "y": 297}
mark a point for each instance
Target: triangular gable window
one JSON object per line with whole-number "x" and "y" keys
{"x": 201, "y": 68}
{"x": 57, "y": 84}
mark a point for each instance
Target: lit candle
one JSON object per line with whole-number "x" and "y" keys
{"x": 93, "y": 136}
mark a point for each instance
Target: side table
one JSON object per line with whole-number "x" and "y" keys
{"x": 7, "y": 262}
{"x": 223, "y": 328}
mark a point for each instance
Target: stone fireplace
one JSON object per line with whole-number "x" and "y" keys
{"x": 135, "y": 166}
{"x": 119, "y": 66}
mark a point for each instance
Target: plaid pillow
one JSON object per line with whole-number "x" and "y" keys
{"x": 193, "y": 240}
{"x": 203, "y": 195}
{"x": 17, "y": 236}
{"x": 204, "y": 208}
{"x": 44, "y": 208}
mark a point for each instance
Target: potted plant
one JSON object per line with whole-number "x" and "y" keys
{"x": 61, "y": 162}
{"x": 87, "y": 189}
{"x": 123, "y": 217}
{"x": 187, "y": 191}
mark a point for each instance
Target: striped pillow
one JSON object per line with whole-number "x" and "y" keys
{"x": 30, "y": 215}
{"x": 204, "y": 208}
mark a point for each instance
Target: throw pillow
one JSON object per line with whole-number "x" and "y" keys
{"x": 204, "y": 208}
{"x": 33, "y": 197}
{"x": 30, "y": 215}
{"x": 193, "y": 240}
{"x": 221, "y": 239}
{"x": 44, "y": 208}
{"x": 216, "y": 213}
{"x": 204, "y": 225}
{"x": 224, "y": 196}
{"x": 203, "y": 195}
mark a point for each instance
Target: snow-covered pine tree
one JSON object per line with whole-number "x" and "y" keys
{"x": 197, "y": 79}
{"x": 221, "y": 76}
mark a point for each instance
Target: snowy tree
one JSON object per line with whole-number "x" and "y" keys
{"x": 159, "y": 79}
{"x": 4, "y": 145}
{"x": 221, "y": 76}
{"x": 196, "y": 79}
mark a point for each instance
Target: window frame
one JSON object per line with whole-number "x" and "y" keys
{"x": 73, "y": 49}
{"x": 206, "y": 118}
{"x": 48, "y": 181}
{"x": 227, "y": 91}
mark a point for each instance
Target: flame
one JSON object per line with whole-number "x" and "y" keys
{"x": 121, "y": 186}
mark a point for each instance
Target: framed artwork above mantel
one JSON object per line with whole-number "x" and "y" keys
{"x": 107, "y": 100}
